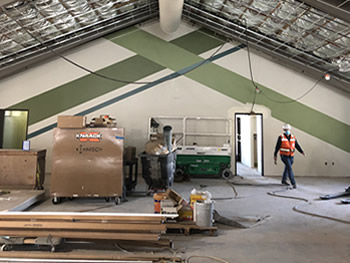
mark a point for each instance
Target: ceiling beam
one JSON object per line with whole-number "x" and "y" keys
{"x": 330, "y": 7}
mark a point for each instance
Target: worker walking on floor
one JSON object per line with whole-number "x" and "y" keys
{"x": 286, "y": 144}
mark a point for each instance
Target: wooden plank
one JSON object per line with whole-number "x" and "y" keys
{"x": 88, "y": 255}
{"x": 81, "y": 226}
{"x": 162, "y": 242}
{"x": 79, "y": 234}
{"x": 84, "y": 216}
{"x": 18, "y": 200}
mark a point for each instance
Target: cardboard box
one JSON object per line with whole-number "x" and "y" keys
{"x": 22, "y": 169}
{"x": 71, "y": 122}
{"x": 185, "y": 214}
{"x": 103, "y": 121}
{"x": 87, "y": 162}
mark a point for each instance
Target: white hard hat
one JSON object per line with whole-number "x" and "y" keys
{"x": 286, "y": 126}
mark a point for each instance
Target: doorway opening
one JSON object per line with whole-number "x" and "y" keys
{"x": 249, "y": 159}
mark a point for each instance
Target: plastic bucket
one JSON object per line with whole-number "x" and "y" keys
{"x": 158, "y": 197}
{"x": 204, "y": 213}
{"x": 199, "y": 196}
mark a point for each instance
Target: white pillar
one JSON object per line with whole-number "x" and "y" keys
{"x": 170, "y": 12}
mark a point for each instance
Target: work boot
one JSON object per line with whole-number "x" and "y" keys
{"x": 294, "y": 186}
{"x": 285, "y": 183}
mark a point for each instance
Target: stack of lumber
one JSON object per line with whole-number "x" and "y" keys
{"x": 89, "y": 256}
{"x": 103, "y": 226}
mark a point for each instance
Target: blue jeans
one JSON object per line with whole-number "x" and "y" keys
{"x": 288, "y": 171}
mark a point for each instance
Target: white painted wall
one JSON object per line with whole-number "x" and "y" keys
{"x": 37, "y": 79}
{"x": 323, "y": 98}
{"x": 317, "y": 152}
{"x": 174, "y": 98}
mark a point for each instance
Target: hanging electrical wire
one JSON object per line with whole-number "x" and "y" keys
{"x": 105, "y": 76}
{"x": 256, "y": 88}
{"x": 293, "y": 100}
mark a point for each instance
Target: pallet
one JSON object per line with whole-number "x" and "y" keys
{"x": 188, "y": 227}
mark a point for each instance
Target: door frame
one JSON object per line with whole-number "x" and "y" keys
{"x": 262, "y": 139}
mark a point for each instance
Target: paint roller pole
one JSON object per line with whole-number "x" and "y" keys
{"x": 170, "y": 12}
{"x": 168, "y": 137}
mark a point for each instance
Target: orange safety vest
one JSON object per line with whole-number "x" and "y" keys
{"x": 287, "y": 147}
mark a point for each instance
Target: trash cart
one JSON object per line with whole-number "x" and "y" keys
{"x": 158, "y": 170}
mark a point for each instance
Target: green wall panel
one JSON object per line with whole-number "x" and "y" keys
{"x": 86, "y": 88}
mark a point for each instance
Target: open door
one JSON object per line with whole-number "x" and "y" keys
{"x": 13, "y": 128}
{"x": 249, "y": 144}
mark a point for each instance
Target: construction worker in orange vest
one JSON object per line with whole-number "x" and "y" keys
{"x": 286, "y": 144}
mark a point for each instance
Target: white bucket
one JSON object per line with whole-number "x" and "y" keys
{"x": 204, "y": 213}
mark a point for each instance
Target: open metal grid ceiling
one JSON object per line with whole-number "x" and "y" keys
{"x": 290, "y": 30}
{"x": 299, "y": 33}
{"x": 31, "y": 29}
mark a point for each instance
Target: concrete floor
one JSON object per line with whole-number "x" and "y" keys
{"x": 287, "y": 236}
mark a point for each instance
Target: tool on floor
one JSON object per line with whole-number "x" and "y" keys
{"x": 345, "y": 201}
{"x": 336, "y": 195}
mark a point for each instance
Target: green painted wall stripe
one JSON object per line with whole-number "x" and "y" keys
{"x": 138, "y": 90}
{"x": 240, "y": 88}
{"x": 89, "y": 87}
{"x": 86, "y": 88}
{"x": 196, "y": 42}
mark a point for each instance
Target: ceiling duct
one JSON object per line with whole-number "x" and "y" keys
{"x": 170, "y": 12}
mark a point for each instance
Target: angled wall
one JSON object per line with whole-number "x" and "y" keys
{"x": 176, "y": 82}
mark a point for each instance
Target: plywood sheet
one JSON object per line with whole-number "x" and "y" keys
{"x": 19, "y": 200}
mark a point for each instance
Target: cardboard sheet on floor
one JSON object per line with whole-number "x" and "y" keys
{"x": 19, "y": 200}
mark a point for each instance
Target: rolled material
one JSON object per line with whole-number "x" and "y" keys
{"x": 167, "y": 131}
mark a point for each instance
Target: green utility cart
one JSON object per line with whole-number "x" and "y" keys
{"x": 203, "y": 161}
{"x": 203, "y": 144}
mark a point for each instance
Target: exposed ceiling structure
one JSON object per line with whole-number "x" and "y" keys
{"x": 296, "y": 33}
{"x": 30, "y": 30}
{"x": 312, "y": 36}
